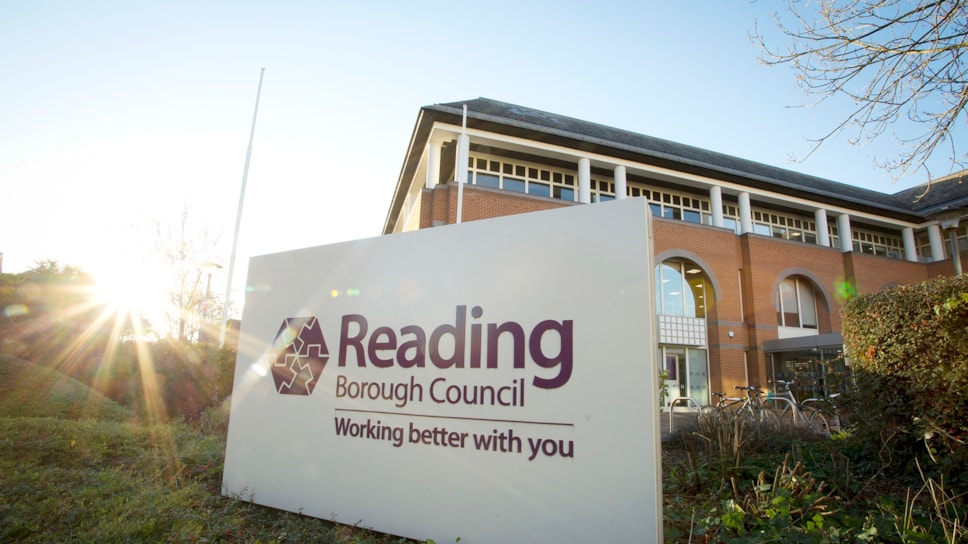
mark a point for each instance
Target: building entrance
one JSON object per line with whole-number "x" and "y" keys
{"x": 688, "y": 373}
{"x": 817, "y": 371}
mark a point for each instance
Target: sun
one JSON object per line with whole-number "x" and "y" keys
{"x": 141, "y": 293}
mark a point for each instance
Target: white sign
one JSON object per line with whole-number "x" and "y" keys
{"x": 493, "y": 381}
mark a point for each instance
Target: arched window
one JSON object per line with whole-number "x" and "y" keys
{"x": 680, "y": 289}
{"x": 796, "y": 304}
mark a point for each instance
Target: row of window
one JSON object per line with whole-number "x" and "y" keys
{"x": 550, "y": 182}
{"x": 521, "y": 179}
{"x": 785, "y": 227}
{"x": 877, "y": 244}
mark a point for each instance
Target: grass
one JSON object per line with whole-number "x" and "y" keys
{"x": 77, "y": 467}
{"x": 27, "y": 389}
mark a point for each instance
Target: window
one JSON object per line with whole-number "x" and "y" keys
{"x": 675, "y": 206}
{"x": 511, "y": 176}
{"x": 688, "y": 371}
{"x": 564, "y": 193}
{"x": 877, "y": 244}
{"x": 487, "y": 180}
{"x": 785, "y": 227}
{"x": 796, "y": 304}
{"x": 680, "y": 289}
{"x": 540, "y": 189}
{"x": 512, "y": 184}
{"x": 602, "y": 191}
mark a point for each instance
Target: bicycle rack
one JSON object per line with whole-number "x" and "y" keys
{"x": 672, "y": 407}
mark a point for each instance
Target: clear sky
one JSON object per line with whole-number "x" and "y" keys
{"x": 115, "y": 115}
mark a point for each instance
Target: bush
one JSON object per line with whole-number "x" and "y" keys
{"x": 165, "y": 379}
{"x": 909, "y": 351}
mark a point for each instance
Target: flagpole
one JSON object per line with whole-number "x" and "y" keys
{"x": 238, "y": 217}
{"x": 463, "y": 146}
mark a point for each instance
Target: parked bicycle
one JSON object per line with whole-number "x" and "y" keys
{"x": 812, "y": 413}
{"x": 825, "y": 415}
{"x": 746, "y": 409}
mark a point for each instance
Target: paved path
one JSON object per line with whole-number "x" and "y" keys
{"x": 680, "y": 420}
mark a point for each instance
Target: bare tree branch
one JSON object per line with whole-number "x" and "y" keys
{"x": 896, "y": 60}
{"x": 184, "y": 248}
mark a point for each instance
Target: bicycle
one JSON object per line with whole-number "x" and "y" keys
{"x": 791, "y": 411}
{"x": 748, "y": 409}
{"x": 825, "y": 417}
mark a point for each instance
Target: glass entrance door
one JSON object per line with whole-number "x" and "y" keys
{"x": 816, "y": 371}
{"x": 688, "y": 373}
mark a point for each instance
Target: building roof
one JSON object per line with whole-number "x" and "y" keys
{"x": 942, "y": 195}
{"x": 513, "y": 120}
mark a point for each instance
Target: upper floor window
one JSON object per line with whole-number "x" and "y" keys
{"x": 785, "y": 227}
{"x": 601, "y": 190}
{"x": 520, "y": 178}
{"x": 675, "y": 206}
{"x": 796, "y": 304}
{"x": 877, "y": 244}
{"x": 680, "y": 289}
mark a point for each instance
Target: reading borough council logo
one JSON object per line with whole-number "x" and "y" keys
{"x": 300, "y": 355}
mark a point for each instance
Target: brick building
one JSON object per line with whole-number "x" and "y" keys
{"x": 752, "y": 261}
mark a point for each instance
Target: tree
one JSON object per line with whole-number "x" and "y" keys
{"x": 51, "y": 317}
{"x": 186, "y": 250}
{"x": 895, "y": 59}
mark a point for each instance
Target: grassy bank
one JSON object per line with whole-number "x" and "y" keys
{"x": 76, "y": 467}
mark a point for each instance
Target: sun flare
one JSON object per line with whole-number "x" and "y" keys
{"x": 142, "y": 294}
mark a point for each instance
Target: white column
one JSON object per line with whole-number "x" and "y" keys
{"x": 910, "y": 249}
{"x": 745, "y": 214}
{"x": 716, "y": 204}
{"x": 584, "y": 180}
{"x": 937, "y": 245}
{"x": 463, "y": 153}
{"x": 843, "y": 230}
{"x": 823, "y": 230}
{"x": 433, "y": 163}
{"x": 620, "y": 190}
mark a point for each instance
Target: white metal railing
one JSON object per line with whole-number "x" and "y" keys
{"x": 672, "y": 407}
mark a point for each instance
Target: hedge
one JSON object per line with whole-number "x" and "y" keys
{"x": 908, "y": 348}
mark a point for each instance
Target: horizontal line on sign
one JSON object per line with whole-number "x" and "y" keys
{"x": 552, "y": 423}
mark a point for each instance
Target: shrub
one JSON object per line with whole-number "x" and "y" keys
{"x": 909, "y": 350}
{"x": 167, "y": 379}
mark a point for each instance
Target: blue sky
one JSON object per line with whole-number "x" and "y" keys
{"x": 114, "y": 115}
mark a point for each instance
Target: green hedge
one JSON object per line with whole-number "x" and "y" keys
{"x": 909, "y": 350}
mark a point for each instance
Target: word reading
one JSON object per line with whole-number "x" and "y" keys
{"x": 410, "y": 347}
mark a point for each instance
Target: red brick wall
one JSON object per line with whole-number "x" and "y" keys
{"x": 766, "y": 262}
{"x": 479, "y": 203}
{"x": 947, "y": 267}
{"x": 719, "y": 251}
{"x": 872, "y": 273}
